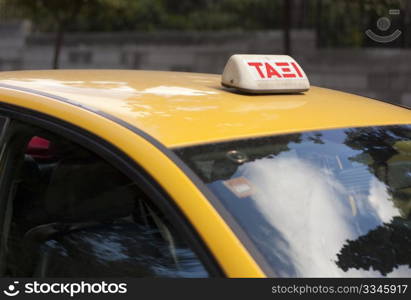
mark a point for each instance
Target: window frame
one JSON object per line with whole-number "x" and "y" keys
{"x": 125, "y": 164}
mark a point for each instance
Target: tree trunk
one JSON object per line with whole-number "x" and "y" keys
{"x": 287, "y": 26}
{"x": 318, "y": 24}
{"x": 58, "y": 43}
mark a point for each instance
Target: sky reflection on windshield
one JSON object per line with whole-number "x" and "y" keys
{"x": 333, "y": 203}
{"x": 312, "y": 212}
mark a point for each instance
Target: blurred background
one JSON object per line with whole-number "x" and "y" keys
{"x": 359, "y": 46}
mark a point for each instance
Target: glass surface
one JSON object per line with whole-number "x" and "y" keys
{"x": 75, "y": 215}
{"x": 318, "y": 204}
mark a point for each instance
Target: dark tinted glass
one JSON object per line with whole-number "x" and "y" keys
{"x": 120, "y": 249}
{"x": 70, "y": 213}
{"x": 318, "y": 204}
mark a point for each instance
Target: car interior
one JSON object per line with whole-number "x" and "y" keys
{"x": 69, "y": 213}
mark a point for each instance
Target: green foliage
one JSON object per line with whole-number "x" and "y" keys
{"x": 338, "y": 23}
{"x": 127, "y": 15}
{"x": 120, "y": 15}
{"x": 343, "y": 23}
{"x": 46, "y": 14}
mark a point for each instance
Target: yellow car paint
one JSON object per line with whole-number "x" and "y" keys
{"x": 229, "y": 252}
{"x": 180, "y": 109}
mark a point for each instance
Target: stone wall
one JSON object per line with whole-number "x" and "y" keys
{"x": 375, "y": 72}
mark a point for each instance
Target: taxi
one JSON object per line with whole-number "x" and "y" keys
{"x": 254, "y": 173}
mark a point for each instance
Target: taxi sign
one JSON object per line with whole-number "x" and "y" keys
{"x": 264, "y": 74}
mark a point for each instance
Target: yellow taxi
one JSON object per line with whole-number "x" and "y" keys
{"x": 166, "y": 174}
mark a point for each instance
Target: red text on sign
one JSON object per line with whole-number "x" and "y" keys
{"x": 277, "y": 70}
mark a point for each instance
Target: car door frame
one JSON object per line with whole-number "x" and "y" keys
{"x": 124, "y": 164}
{"x": 227, "y": 243}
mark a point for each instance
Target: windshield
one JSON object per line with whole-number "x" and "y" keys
{"x": 318, "y": 204}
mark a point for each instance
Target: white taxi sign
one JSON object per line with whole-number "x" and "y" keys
{"x": 264, "y": 74}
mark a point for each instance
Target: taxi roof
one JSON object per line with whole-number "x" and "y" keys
{"x": 180, "y": 109}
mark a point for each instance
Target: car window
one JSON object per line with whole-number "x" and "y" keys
{"x": 69, "y": 213}
{"x": 329, "y": 203}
